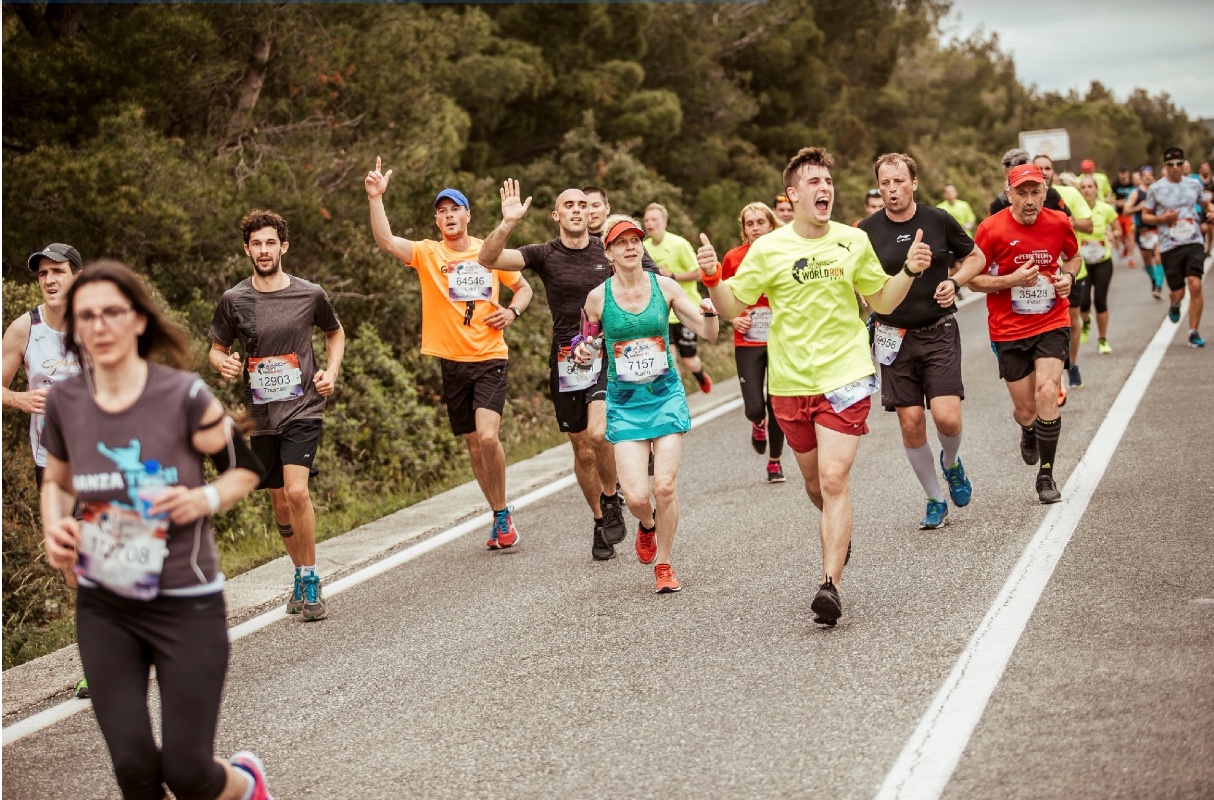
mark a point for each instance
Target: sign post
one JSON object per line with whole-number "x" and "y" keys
{"x": 1052, "y": 142}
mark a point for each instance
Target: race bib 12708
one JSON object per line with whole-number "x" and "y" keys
{"x": 122, "y": 550}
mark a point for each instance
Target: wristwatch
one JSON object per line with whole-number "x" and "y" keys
{"x": 517, "y": 313}
{"x": 956, "y": 286}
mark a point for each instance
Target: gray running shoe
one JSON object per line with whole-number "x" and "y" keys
{"x": 314, "y": 601}
{"x": 1047, "y": 490}
{"x": 600, "y": 548}
{"x": 296, "y": 603}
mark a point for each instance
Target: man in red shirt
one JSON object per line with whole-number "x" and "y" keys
{"x": 1034, "y": 258}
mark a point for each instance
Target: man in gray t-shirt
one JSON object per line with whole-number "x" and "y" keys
{"x": 273, "y": 314}
{"x": 1172, "y": 204}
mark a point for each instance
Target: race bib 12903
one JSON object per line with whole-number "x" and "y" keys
{"x": 122, "y": 550}
{"x": 275, "y": 378}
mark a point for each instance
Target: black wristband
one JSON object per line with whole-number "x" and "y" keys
{"x": 906, "y": 269}
{"x": 956, "y": 285}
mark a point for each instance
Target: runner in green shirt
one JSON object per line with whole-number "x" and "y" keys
{"x": 959, "y": 209}
{"x": 676, "y": 258}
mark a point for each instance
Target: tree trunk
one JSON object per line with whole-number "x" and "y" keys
{"x": 250, "y": 88}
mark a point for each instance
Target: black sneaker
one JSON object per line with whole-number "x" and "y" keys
{"x": 601, "y": 549}
{"x": 1028, "y": 447}
{"x": 827, "y": 606}
{"x": 614, "y": 530}
{"x": 1047, "y": 490}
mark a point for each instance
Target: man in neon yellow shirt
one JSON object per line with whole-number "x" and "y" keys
{"x": 959, "y": 209}
{"x": 820, "y": 371}
{"x": 676, "y": 259}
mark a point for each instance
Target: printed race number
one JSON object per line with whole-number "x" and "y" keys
{"x": 275, "y": 378}
{"x": 641, "y": 360}
{"x": 571, "y": 376}
{"x": 760, "y": 325}
{"x": 121, "y": 550}
{"x": 1036, "y": 299}
{"x": 468, "y": 282}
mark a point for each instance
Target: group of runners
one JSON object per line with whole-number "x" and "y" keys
{"x": 121, "y": 440}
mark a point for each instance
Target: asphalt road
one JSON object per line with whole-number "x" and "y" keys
{"x": 538, "y": 673}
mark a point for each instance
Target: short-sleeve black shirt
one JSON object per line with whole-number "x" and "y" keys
{"x": 568, "y": 276}
{"x": 892, "y": 241}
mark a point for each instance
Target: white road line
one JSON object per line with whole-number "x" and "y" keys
{"x": 928, "y": 759}
{"x": 50, "y": 716}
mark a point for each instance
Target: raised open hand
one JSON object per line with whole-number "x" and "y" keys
{"x": 513, "y": 208}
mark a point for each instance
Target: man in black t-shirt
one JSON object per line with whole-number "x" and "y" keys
{"x": 271, "y": 314}
{"x": 918, "y": 344}
{"x": 570, "y": 266}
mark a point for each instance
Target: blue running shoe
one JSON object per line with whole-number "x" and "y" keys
{"x": 1174, "y": 313}
{"x": 937, "y": 515}
{"x": 314, "y": 601}
{"x": 1195, "y": 339}
{"x": 296, "y": 603}
{"x": 960, "y": 490}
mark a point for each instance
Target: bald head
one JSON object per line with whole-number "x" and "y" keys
{"x": 569, "y": 212}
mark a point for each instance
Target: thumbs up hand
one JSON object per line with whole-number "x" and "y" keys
{"x": 706, "y": 256}
{"x": 919, "y": 257}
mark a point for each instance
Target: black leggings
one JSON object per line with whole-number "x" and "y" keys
{"x": 186, "y": 639}
{"x": 752, "y": 374}
{"x": 1099, "y": 277}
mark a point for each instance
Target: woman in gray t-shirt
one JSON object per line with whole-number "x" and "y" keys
{"x": 126, "y": 438}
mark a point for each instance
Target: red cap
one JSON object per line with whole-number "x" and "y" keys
{"x": 619, "y": 229}
{"x": 1025, "y": 173}
{"x": 1087, "y": 165}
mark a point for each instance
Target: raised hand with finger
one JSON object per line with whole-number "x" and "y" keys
{"x": 706, "y": 257}
{"x": 377, "y": 182}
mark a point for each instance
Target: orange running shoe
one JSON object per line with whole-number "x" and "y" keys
{"x": 664, "y": 579}
{"x": 503, "y": 534}
{"x": 647, "y": 546}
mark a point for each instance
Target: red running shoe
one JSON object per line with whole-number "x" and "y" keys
{"x": 664, "y": 580}
{"x": 647, "y": 546}
{"x": 705, "y": 382}
{"x": 503, "y": 534}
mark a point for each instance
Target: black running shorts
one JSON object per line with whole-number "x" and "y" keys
{"x": 1018, "y": 358}
{"x": 295, "y": 444}
{"x": 469, "y": 385}
{"x": 572, "y": 412}
{"x": 684, "y": 339}
{"x": 1183, "y": 262}
{"x": 928, "y": 366}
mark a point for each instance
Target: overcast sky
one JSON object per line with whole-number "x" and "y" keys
{"x": 1165, "y": 46}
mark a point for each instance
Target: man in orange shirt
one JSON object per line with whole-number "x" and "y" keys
{"x": 462, "y": 325}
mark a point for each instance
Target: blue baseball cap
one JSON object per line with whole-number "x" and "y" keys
{"x": 454, "y": 195}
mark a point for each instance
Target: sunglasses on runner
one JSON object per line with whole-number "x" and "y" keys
{"x": 1173, "y": 163}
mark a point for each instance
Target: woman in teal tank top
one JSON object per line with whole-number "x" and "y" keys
{"x": 646, "y": 403}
